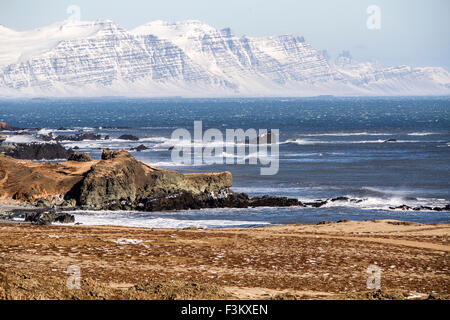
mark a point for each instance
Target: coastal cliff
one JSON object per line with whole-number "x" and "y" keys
{"x": 115, "y": 182}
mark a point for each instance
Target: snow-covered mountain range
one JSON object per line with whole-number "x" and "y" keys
{"x": 192, "y": 59}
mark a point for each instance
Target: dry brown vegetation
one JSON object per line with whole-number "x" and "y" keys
{"x": 326, "y": 261}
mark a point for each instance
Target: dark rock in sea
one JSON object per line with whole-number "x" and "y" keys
{"x": 61, "y": 129}
{"x": 171, "y": 148}
{"x": 316, "y": 204}
{"x": 340, "y": 199}
{"x": 402, "y": 207}
{"x": 405, "y": 207}
{"x": 76, "y": 148}
{"x": 37, "y": 151}
{"x": 80, "y": 157}
{"x": 187, "y": 200}
{"x": 445, "y": 208}
{"x": 45, "y": 137}
{"x": 79, "y": 137}
{"x": 269, "y": 201}
{"x": 47, "y": 218}
{"x": 128, "y": 137}
{"x": 325, "y": 222}
{"x": 107, "y": 137}
{"x": 140, "y": 148}
{"x": 391, "y": 140}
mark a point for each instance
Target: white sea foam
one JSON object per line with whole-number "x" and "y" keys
{"x": 135, "y": 219}
{"x": 307, "y": 141}
{"x": 346, "y": 134}
{"x": 422, "y": 133}
{"x": 23, "y": 138}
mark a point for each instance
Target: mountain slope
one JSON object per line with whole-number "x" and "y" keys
{"x": 189, "y": 58}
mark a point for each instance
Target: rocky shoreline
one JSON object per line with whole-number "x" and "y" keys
{"x": 120, "y": 182}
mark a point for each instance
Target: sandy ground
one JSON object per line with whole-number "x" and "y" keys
{"x": 326, "y": 261}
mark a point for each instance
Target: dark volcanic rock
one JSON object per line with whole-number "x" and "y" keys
{"x": 187, "y": 200}
{"x": 340, "y": 199}
{"x": 391, "y": 140}
{"x": 38, "y": 151}
{"x": 140, "y": 148}
{"x": 402, "y": 207}
{"x": 269, "y": 201}
{"x": 79, "y": 137}
{"x": 420, "y": 208}
{"x": 45, "y": 137}
{"x": 128, "y": 137}
{"x": 47, "y": 218}
{"x": 80, "y": 157}
{"x": 316, "y": 204}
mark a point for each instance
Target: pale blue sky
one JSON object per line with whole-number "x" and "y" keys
{"x": 413, "y": 32}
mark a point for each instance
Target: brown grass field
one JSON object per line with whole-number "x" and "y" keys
{"x": 327, "y": 261}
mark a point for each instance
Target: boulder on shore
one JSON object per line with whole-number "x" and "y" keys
{"x": 47, "y": 218}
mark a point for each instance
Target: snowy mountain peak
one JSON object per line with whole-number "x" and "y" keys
{"x": 189, "y": 58}
{"x": 171, "y": 30}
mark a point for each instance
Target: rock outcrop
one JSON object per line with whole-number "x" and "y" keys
{"x": 80, "y": 157}
{"x": 5, "y": 126}
{"x": 120, "y": 178}
{"x": 116, "y": 179}
{"x": 47, "y": 218}
{"x": 79, "y": 137}
{"x": 35, "y": 151}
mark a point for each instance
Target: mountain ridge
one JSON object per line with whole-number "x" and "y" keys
{"x": 192, "y": 59}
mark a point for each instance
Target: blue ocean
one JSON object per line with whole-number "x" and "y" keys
{"x": 329, "y": 147}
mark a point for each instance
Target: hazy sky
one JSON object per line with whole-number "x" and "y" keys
{"x": 413, "y": 32}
